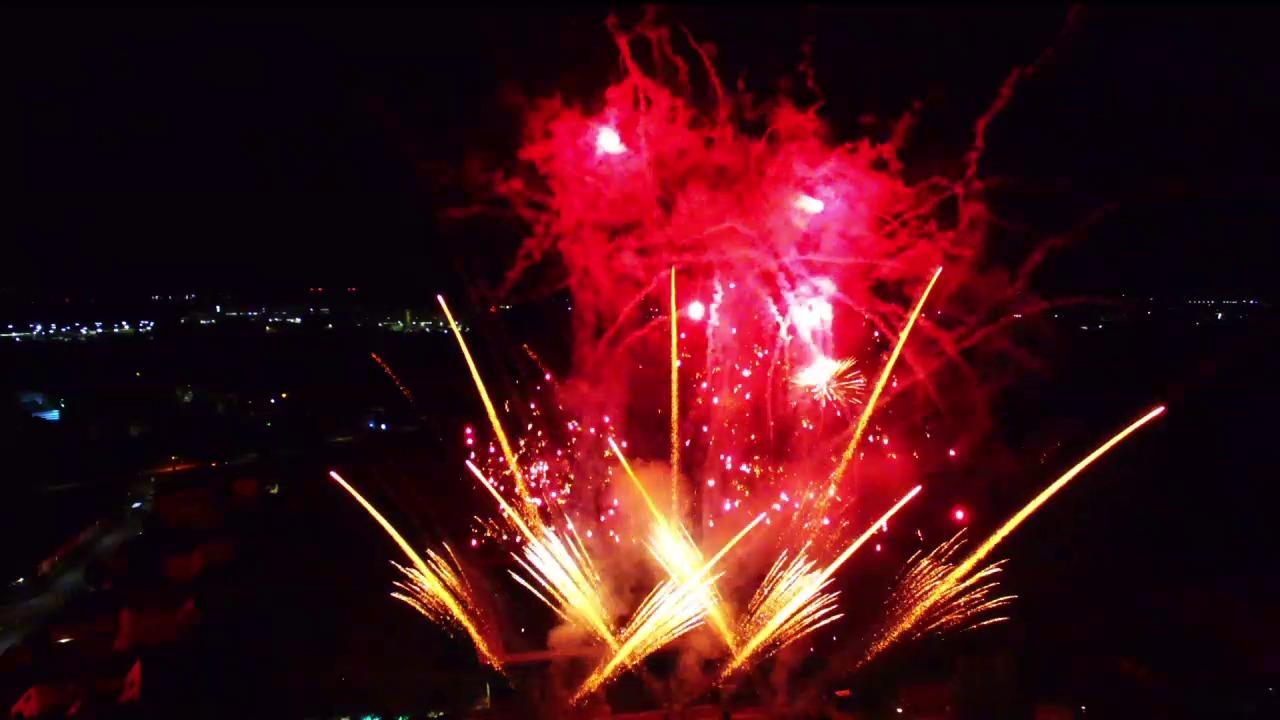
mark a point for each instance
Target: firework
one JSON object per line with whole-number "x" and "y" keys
{"x": 863, "y": 419}
{"x": 435, "y": 588}
{"x": 832, "y": 381}
{"x": 561, "y": 567}
{"x": 966, "y": 604}
{"x": 395, "y": 379}
{"x": 780, "y": 238}
{"x": 952, "y": 584}
{"x": 677, "y": 553}
{"x": 792, "y": 602}
{"x": 675, "y": 607}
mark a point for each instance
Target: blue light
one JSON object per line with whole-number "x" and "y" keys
{"x": 53, "y": 415}
{"x": 383, "y": 426}
{"x": 370, "y": 423}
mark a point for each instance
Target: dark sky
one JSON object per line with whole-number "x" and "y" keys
{"x": 234, "y": 148}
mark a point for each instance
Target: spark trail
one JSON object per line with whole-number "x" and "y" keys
{"x": 794, "y": 602}
{"x": 964, "y": 604}
{"x": 492, "y": 413}
{"x": 946, "y": 587}
{"x": 880, "y": 384}
{"x": 673, "y": 608}
{"x": 676, "y": 551}
{"x": 561, "y": 567}
{"x": 435, "y": 589}
{"x": 675, "y": 399}
{"x": 395, "y": 379}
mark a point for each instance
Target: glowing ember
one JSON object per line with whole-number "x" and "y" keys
{"x": 609, "y": 142}
{"x": 830, "y": 380}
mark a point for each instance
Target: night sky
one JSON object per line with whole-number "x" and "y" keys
{"x": 250, "y": 148}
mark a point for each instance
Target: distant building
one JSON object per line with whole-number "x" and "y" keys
{"x": 40, "y": 405}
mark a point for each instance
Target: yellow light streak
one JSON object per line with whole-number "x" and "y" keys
{"x": 676, "y": 551}
{"x": 870, "y": 407}
{"x": 489, "y": 409}
{"x": 437, "y": 591}
{"x": 675, "y": 400}
{"x": 957, "y": 576}
{"x": 562, "y": 569}
{"x": 792, "y": 603}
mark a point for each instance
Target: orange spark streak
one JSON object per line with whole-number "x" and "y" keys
{"x": 880, "y": 384}
{"x": 672, "y": 609}
{"x": 626, "y": 466}
{"x": 508, "y": 511}
{"x": 736, "y": 538}
{"x": 958, "y": 574}
{"x": 546, "y": 373}
{"x": 678, "y": 554}
{"x": 962, "y": 605}
{"x": 507, "y": 452}
{"x": 1013, "y": 522}
{"x": 805, "y": 599}
{"x": 675, "y": 400}
{"x": 561, "y": 568}
{"x": 396, "y": 379}
{"x": 429, "y": 579}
